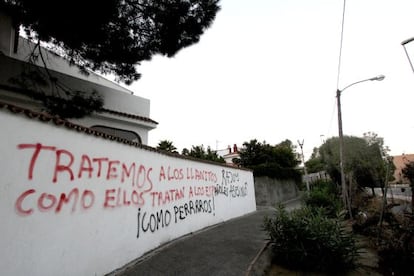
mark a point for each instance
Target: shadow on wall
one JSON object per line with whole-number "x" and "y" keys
{"x": 270, "y": 191}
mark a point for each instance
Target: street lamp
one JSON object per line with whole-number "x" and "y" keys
{"x": 405, "y": 49}
{"x": 341, "y": 140}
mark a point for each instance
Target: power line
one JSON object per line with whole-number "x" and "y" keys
{"x": 340, "y": 45}
{"x": 332, "y": 117}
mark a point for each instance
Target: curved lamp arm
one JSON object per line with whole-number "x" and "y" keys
{"x": 407, "y": 41}
{"x": 406, "y": 53}
{"x": 377, "y": 78}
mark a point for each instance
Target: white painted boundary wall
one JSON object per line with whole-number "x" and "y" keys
{"x": 76, "y": 204}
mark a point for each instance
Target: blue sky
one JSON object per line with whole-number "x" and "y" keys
{"x": 267, "y": 70}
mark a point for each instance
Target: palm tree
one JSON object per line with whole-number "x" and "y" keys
{"x": 166, "y": 145}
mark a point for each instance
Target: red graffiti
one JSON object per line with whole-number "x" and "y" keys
{"x": 120, "y": 197}
{"x": 63, "y": 167}
{"x": 161, "y": 198}
{"x": 53, "y": 165}
{"x": 68, "y": 166}
{"x": 99, "y": 162}
{"x": 201, "y": 191}
{"x": 201, "y": 175}
{"x": 19, "y": 203}
{"x": 38, "y": 147}
{"x": 170, "y": 173}
{"x": 85, "y": 166}
{"x": 46, "y": 202}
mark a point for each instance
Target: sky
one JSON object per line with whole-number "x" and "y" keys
{"x": 268, "y": 70}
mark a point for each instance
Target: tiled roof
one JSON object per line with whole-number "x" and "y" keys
{"x": 44, "y": 117}
{"x": 128, "y": 115}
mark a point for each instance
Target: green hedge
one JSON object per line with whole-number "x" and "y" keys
{"x": 324, "y": 194}
{"x": 308, "y": 240}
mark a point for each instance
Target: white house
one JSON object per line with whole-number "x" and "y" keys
{"x": 229, "y": 154}
{"x": 124, "y": 114}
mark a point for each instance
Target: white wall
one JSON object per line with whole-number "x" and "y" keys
{"x": 107, "y": 225}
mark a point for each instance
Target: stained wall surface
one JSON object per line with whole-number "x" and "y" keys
{"x": 76, "y": 204}
{"x": 271, "y": 192}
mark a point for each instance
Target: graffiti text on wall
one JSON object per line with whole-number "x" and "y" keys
{"x": 157, "y": 220}
{"x": 133, "y": 183}
{"x": 230, "y": 185}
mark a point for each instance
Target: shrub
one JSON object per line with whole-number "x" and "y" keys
{"x": 396, "y": 247}
{"x": 307, "y": 240}
{"x": 324, "y": 195}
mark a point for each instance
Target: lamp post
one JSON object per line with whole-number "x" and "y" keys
{"x": 405, "y": 42}
{"x": 341, "y": 140}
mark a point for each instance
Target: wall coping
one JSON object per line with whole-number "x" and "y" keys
{"x": 59, "y": 122}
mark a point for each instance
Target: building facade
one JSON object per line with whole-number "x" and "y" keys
{"x": 123, "y": 114}
{"x": 399, "y": 163}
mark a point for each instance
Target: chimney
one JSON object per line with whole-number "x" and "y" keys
{"x": 235, "y": 148}
{"x": 229, "y": 148}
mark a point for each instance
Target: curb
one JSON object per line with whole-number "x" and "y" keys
{"x": 261, "y": 263}
{"x": 263, "y": 260}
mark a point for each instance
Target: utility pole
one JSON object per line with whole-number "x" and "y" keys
{"x": 304, "y": 166}
{"x": 345, "y": 196}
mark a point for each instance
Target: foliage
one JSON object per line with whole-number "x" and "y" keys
{"x": 315, "y": 164}
{"x": 307, "y": 240}
{"x": 364, "y": 159}
{"x": 57, "y": 98}
{"x": 279, "y": 161}
{"x": 390, "y": 230}
{"x": 394, "y": 238}
{"x": 201, "y": 153}
{"x": 118, "y": 37}
{"x": 324, "y": 194}
{"x": 67, "y": 104}
{"x": 166, "y": 145}
{"x": 77, "y": 106}
{"x": 396, "y": 250}
{"x": 112, "y": 41}
{"x": 408, "y": 172}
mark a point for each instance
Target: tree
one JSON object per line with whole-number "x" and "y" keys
{"x": 110, "y": 37}
{"x": 279, "y": 161}
{"x": 166, "y": 145}
{"x": 201, "y": 153}
{"x": 408, "y": 172}
{"x": 365, "y": 160}
{"x": 113, "y": 36}
{"x": 315, "y": 164}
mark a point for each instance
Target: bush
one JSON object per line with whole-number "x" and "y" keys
{"x": 307, "y": 240}
{"x": 396, "y": 247}
{"x": 324, "y": 195}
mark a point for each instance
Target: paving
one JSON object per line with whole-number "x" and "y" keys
{"x": 229, "y": 248}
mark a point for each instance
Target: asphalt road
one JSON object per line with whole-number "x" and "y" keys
{"x": 228, "y": 248}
